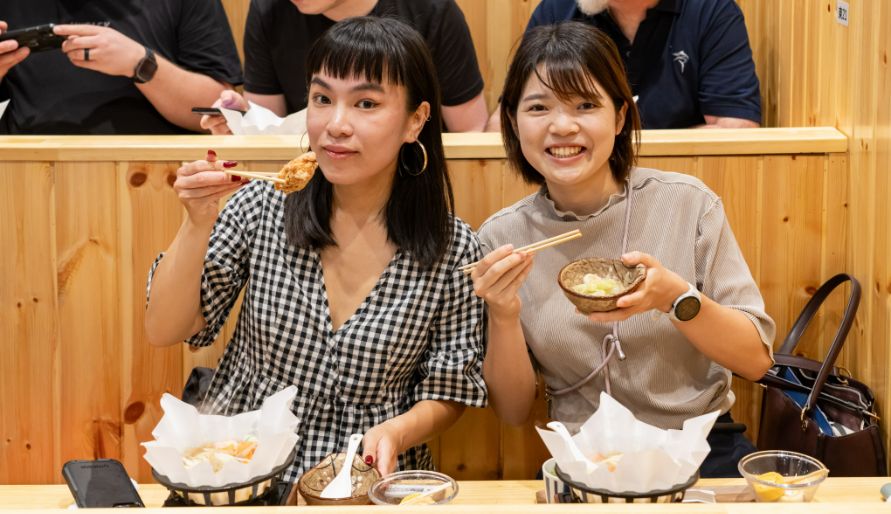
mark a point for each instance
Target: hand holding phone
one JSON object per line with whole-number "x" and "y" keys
{"x": 39, "y": 38}
{"x": 11, "y": 53}
{"x": 100, "y": 483}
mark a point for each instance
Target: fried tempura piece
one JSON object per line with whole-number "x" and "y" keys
{"x": 297, "y": 173}
{"x": 219, "y": 453}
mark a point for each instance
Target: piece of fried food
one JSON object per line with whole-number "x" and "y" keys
{"x": 219, "y": 453}
{"x": 297, "y": 173}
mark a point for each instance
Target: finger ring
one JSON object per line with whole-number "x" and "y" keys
{"x": 86, "y": 54}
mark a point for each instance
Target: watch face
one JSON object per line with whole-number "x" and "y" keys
{"x": 687, "y": 308}
{"x": 146, "y": 68}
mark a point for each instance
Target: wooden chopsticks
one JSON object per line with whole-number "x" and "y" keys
{"x": 534, "y": 247}
{"x": 260, "y": 175}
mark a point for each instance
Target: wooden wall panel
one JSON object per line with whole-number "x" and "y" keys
{"x": 149, "y": 214}
{"x": 87, "y": 293}
{"x": 781, "y": 222}
{"x": 29, "y": 386}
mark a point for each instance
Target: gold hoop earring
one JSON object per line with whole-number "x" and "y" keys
{"x": 303, "y": 147}
{"x": 407, "y": 169}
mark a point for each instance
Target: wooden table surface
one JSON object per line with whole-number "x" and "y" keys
{"x": 842, "y": 495}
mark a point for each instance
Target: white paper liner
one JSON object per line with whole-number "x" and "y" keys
{"x": 653, "y": 459}
{"x": 182, "y": 427}
{"x": 260, "y": 120}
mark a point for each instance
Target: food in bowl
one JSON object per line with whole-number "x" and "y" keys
{"x": 313, "y": 482}
{"x": 411, "y": 488}
{"x": 782, "y": 476}
{"x": 611, "y": 280}
{"x": 609, "y": 460}
{"x": 217, "y": 454}
{"x": 595, "y": 285}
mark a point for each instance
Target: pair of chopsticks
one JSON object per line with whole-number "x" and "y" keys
{"x": 271, "y": 176}
{"x": 534, "y": 247}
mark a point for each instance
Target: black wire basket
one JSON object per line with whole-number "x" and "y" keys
{"x": 247, "y": 493}
{"x": 584, "y": 494}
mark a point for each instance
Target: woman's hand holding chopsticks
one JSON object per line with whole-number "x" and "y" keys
{"x": 497, "y": 279}
{"x": 201, "y": 184}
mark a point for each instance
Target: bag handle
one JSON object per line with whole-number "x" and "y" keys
{"x": 804, "y": 319}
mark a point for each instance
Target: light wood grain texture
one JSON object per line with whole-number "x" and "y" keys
{"x": 759, "y": 192}
{"x": 30, "y": 424}
{"x": 784, "y": 141}
{"x": 149, "y": 214}
{"x": 87, "y": 293}
{"x": 834, "y": 495}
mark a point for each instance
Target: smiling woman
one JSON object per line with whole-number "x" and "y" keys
{"x": 352, "y": 287}
{"x": 570, "y": 124}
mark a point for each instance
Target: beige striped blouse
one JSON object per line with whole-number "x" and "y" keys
{"x": 664, "y": 379}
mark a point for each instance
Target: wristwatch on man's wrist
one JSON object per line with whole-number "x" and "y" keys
{"x": 145, "y": 68}
{"x": 687, "y": 305}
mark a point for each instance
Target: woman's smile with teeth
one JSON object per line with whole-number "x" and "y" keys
{"x": 565, "y": 151}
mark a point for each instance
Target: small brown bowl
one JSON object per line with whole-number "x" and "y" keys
{"x": 314, "y": 481}
{"x": 573, "y": 274}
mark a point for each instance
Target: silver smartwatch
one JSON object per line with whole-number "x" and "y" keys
{"x": 686, "y": 306}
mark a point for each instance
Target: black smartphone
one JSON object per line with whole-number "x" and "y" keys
{"x": 38, "y": 39}
{"x": 100, "y": 483}
{"x": 211, "y": 111}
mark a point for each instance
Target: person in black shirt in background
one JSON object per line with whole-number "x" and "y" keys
{"x": 140, "y": 75}
{"x": 279, "y": 34}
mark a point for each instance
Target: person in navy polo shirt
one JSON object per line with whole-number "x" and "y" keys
{"x": 688, "y": 61}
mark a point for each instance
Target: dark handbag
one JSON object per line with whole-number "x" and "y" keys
{"x": 813, "y": 408}
{"x": 197, "y": 385}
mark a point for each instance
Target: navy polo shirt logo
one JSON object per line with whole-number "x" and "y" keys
{"x": 681, "y": 58}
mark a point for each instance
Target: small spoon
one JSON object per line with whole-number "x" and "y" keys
{"x": 563, "y": 432}
{"x": 342, "y": 485}
{"x": 806, "y": 478}
{"x": 425, "y": 494}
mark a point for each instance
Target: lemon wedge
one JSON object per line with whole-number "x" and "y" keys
{"x": 767, "y": 493}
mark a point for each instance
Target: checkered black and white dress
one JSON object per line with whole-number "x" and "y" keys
{"x": 418, "y": 335}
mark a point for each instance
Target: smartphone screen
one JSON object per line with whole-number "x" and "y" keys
{"x": 211, "y": 111}
{"x": 100, "y": 483}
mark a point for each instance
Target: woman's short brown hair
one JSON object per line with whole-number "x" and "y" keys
{"x": 573, "y": 55}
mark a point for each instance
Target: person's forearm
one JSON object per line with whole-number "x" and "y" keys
{"x": 727, "y": 122}
{"x": 729, "y": 338}
{"x": 173, "y": 313}
{"x": 471, "y": 116}
{"x": 424, "y": 421}
{"x": 173, "y": 91}
{"x": 275, "y": 103}
{"x": 508, "y": 371}
{"x": 494, "y": 123}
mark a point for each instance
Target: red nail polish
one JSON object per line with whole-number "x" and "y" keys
{"x": 369, "y": 460}
{"x": 211, "y": 155}
{"x": 235, "y": 179}
{"x": 230, "y": 164}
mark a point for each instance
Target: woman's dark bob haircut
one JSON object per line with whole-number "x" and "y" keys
{"x": 569, "y": 58}
{"x": 417, "y": 214}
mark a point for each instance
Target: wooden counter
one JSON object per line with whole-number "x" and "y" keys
{"x": 82, "y": 218}
{"x": 813, "y": 140}
{"x": 836, "y": 495}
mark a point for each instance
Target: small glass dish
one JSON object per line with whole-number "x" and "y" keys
{"x": 404, "y": 485}
{"x": 782, "y": 476}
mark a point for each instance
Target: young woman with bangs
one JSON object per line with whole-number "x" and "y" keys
{"x": 351, "y": 286}
{"x": 569, "y": 124}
